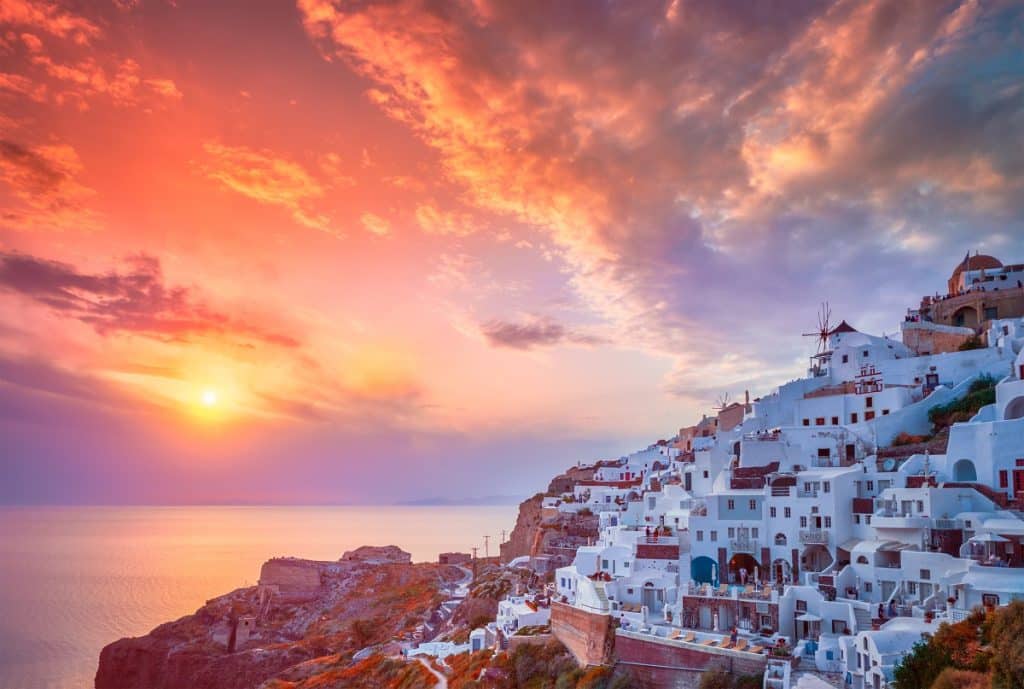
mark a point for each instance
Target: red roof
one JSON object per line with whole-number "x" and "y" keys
{"x": 843, "y": 327}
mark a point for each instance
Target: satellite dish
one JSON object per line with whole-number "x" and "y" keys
{"x": 889, "y": 464}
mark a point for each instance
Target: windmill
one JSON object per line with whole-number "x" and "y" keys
{"x": 824, "y": 327}
{"x": 722, "y": 402}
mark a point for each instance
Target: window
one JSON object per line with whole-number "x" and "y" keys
{"x": 771, "y": 512}
{"x": 865, "y": 354}
{"x": 732, "y": 504}
{"x": 753, "y": 532}
{"x": 824, "y": 453}
{"x": 835, "y": 420}
{"x": 991, "y": 313}
{"x": 869, "y": 402}
{"x": 766, "y": 620}
{"x": 846, "y": 358}
{"x": 867, "y": 518}
{"x": 828, "y": 522}
{"x": 856, "y": 519}
{"x": 801, "y": 606}
{"x": 753, "y": 504}
{"x": 862, "y": 559}
{"x": 732, "y": 532}
{"x": 820, "y": 421}
{"x": 853, "y": 417}
{"x": 989, "y": 600}
{"x": 1003, "y": 479}
{"x": 803, "y": 522}
{"x": 926, "y": 575}
{"x": 826, "y": 486}
{"x": 920, "y": 506}
{"x": 867, "y": 587}
{"x": 868, "y": 415}
{"x": 700, "y": 535}
{"x": 807, "y": 422}
{"x": 885, "y": 412}
{"x": 604, "y": 564}
{"x": 871, "y": 485}
{"x": 705, "y": 473}
{"x": 787, "y": 513}
{"x": 912, "y": 587}
{"x": 714, "y": 536}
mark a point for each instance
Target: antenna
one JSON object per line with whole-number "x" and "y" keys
{"x": 824, "y": 326}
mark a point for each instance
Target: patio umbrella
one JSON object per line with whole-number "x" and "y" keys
{"x": 988, "y": 538}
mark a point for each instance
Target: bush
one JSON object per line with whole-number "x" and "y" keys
{"x": 715, "y": 679}
{"x": 1005, "y": 631}
{"x": 981, "y": 393}
{"x": 973, "y": 342}
{"x": 951, "y": 678}
{"x": 921, "y": 666}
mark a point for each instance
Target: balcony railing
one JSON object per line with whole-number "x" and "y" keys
{"x": 949, "y": 524}
{"x": 814, "y": 537}
{"x": 807, "y": 493}
{"x": 744, "y": 545}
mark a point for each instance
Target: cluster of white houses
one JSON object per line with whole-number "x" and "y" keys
{"x": 792, "y": 520}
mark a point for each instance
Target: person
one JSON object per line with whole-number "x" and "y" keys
{"x": 881, "y": 611}
{"x": 734, "y": 636}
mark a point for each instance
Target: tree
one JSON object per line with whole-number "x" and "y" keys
{"x": 921, "y": 666}
{"x": 951, "y": 678}
{"x": 1005, "y": 633}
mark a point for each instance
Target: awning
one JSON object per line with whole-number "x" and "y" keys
{"x": 808, "y": 617}
{"x": 850, "y": 544}
{"x": 988, "y": 538}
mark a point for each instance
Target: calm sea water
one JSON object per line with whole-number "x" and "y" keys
{"x": 74, "y": 579}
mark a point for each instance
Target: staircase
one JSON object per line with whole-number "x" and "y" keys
{"x": 603, "y": 597}
{"x": 863, "y": 616}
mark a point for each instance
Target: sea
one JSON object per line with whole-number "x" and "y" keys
{"x": 73, "y": 579}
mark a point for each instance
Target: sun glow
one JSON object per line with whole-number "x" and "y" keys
{"x": 209, "y": 397}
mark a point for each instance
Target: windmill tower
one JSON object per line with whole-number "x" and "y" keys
{"x": 820, "y": 358}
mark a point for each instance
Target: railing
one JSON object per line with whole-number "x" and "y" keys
{"x": 780, "y": 491}
{"x": 807, "y": 493}
{"x": 949, "y": 524}
{"x": 743, "y": 545}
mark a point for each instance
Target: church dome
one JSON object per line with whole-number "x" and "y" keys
{"x": 976, "y": 262}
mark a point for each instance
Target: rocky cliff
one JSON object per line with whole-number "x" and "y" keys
{"x": 301, "y": 613}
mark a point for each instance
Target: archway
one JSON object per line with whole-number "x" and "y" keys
{"x": 964, "y": 470}
{"x": 741, "y": 568}
{"x": 965, "y": 317}
{"x": 1015, "y": 409}
{"x": 782, "y": 571}
{"x": 815, "y": 558}
{"x": 703, "y": 570}
{"x": 780, "y": 539}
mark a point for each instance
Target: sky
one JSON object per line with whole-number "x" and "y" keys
{"x": 367, "y": 252}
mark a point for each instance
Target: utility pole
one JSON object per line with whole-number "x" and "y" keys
{"x": 474, "y": 562}
{"x": 487, "y": 550}
{"x": 503, "y": 535}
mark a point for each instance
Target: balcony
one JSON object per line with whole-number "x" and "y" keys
{"x": 814, "y": 537}
{"x": 898, "y": 521}
{"x": 744, "y": 545}
{"x": 807, "y": 493}
{"x": 949, "y": 524}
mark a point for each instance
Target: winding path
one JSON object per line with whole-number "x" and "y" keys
{"x": 442, "y": 681}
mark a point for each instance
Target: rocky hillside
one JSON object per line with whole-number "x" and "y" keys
{"x": 303, "y": 616}
{"x": 535, "y": 531}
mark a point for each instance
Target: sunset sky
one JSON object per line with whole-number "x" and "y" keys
{"x": 382, "y": 251}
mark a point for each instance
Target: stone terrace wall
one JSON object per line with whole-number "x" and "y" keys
{"x": 588, "y": 636}
{"x": 661, "y": 664}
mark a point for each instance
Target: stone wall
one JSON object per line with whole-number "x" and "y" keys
{"x": 662, "y": 664}
{"x": 290, "y": 579}
{"x": 588, "y": 636}
{"x": 931, "y": 338}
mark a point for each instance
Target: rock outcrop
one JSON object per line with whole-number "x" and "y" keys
{"x": 301, "y": 611}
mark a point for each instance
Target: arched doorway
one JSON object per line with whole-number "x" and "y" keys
{"x": 964, "y": 470}
{"x": 741, "y": 568}
{"x": 815, "y": 558}
{"x": 965, "y": 317}
{"x": 782, "y": 571}
{"x": 1015, "y": 409}
{"x": 703, "y": 570}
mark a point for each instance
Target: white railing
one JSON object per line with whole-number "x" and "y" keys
{"x": 743, "y": 545}
{"x": 814, "y": 537}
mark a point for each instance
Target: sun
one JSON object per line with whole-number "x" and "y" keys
{"x": 209, "y": 397}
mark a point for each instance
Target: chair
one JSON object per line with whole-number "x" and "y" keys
{"x": 726, "y": 643}
{"x": 741, "y": 645}
{"x": 707, "y": 642}
{"x": 723, "y": 590}
{"x": 690, "y": 637}
{"x": 755, "y": 649}
{"x": 675, "y": 635}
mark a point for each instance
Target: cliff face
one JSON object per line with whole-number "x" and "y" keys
{"x": 301, "y": 611}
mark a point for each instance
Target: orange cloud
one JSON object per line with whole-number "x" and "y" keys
{"x": 268, "y": 179}
{"x": 48, "y": 17}
{"x": 46, "y": 192}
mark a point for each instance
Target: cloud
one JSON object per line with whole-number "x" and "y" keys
{"x": 538, "y": 332}
{"x": 44, "y": 183}
{"x": 375, "y": 224}
{"x": 48, "y": 17}
{"x": 133, "y": 301}
{"x": 675, "y": 158}
{"x": 267, "y": 178}
{"x": 433, "y": 220}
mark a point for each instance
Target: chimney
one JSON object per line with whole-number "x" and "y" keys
{"x": 746, "y": 396}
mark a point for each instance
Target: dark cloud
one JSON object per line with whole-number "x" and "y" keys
{"x": 536, "y": 333}
{"x": 134, "y": 301}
